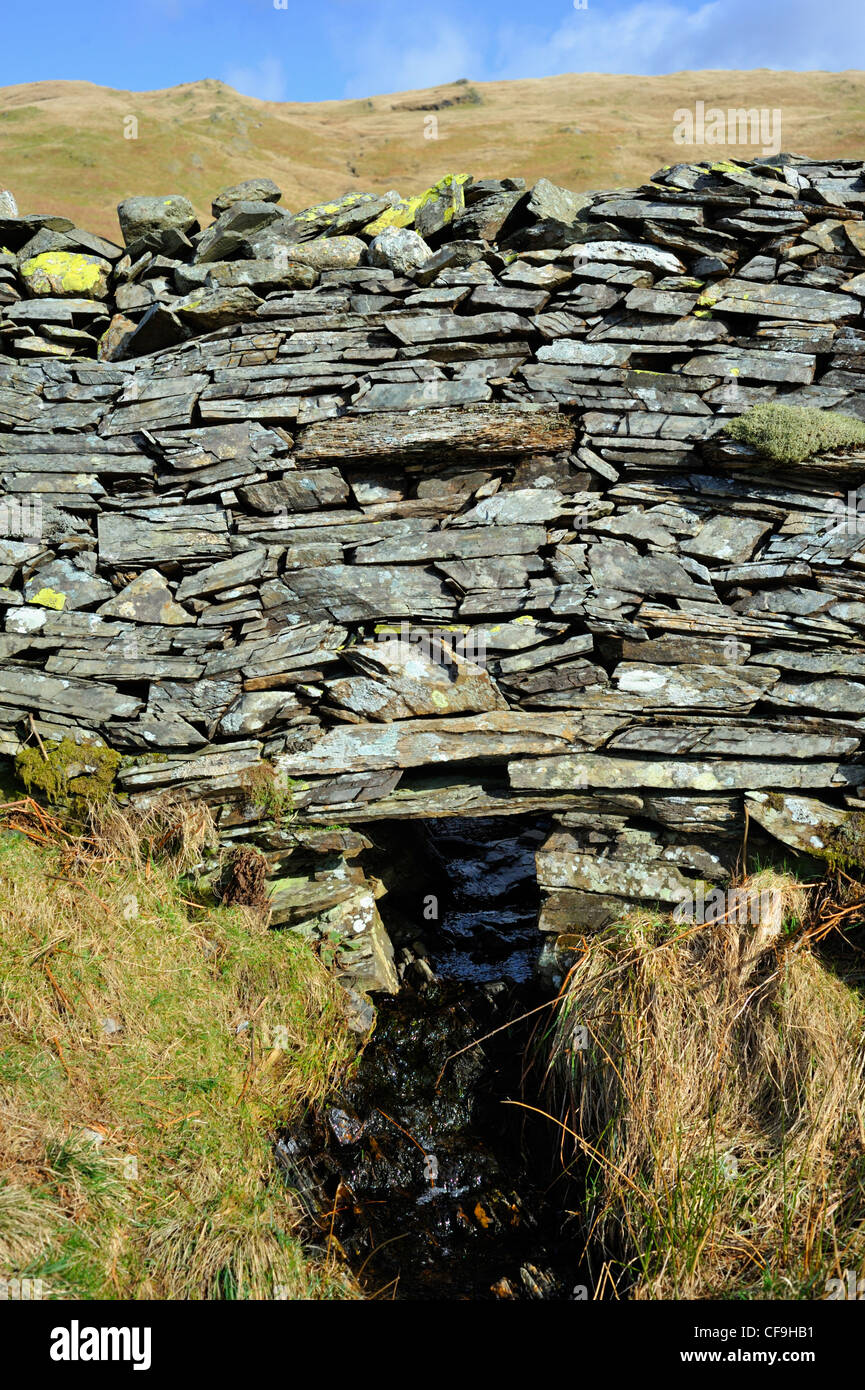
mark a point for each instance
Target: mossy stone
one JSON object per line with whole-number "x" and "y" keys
{"x": 68, "y": 771}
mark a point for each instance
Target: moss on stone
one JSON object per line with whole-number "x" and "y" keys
{"x": 68, "y": 771}
{"x": 400, "y": 215}
{"x": 845, "y": 844}
{"x": 791, "y": 434}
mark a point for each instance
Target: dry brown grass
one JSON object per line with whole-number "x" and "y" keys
{"x": 717, "y": 1115}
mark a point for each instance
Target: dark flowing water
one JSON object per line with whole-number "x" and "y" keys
{"x": 438, "y": 1188}
{"x": 489, "y": 925}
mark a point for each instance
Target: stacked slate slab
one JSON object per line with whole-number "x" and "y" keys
{"x": 427, "y": 506}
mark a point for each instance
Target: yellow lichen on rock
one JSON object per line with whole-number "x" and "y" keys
{"x": 66, "y": 273}
{"x": 49, "y": 598}
{"x": 403, "y": 213}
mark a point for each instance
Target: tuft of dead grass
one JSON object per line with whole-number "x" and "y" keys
{"x": 711, "y": 1082}
{"x": 150, "y": 1048}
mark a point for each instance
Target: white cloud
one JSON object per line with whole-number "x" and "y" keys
{"x": 384, "y": 62}
{"x": 266, "y": 80}
{"x": 669, "y": 37}
{"x": 388, "y": 49}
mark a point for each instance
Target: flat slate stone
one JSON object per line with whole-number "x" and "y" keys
{"x": 595, "y": 770}
{"x": 29, "y": 689}
{"x": 415, "y": 743}
{"x": 184, "y": 533}
{"x": 781, "y": 302}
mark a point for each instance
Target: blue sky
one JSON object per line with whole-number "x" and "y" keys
{"x": 306, "y": 51}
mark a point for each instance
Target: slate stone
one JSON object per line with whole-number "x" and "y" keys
{"x": 183, "y": 532}
{"x": 472, "y": 430}
{"x": 517, "y": 444}
{"x": 140, "y": 216}
{"x": 65, "y": 585}
{"x": 321, "y": 253}
{"x": 544, "y": 217}
{"x": 232, "y": 228}
{"x": 66, "y": 274}
{"x": 595, "y": 770}
{"x": 210, "y": 309}
{"x": 258, "y": 190}
{"x": 414, "y": 743}
{"x": 726, "y": 538}
{"x": 403, "y": 679}
{"x": 781, "y": 302}
{"x": 146, "y": 599}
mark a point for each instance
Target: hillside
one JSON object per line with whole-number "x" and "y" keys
{"x": 62, "y": 144}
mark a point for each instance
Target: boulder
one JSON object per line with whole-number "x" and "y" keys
{"x": 232, "y": 227}
{"x": 322, "y": 253}
{"x": 141, "y": 215}
{"x": 217, "y": 308}
{"x": 342, "y": 217}
{"x": 66, "y": 274}
{"x": 547, "y": 216}
{"x": 262, "y": 190}
{"x": 399, "y": 249}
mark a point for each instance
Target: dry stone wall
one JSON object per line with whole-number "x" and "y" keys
{"x": 407, "y": 508}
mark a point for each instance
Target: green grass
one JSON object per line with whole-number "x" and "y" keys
{"x": 224, "y": 1030}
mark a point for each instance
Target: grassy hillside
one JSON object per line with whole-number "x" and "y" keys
{"x": 62, "y": 145}
{"x": 149, "y": 1048}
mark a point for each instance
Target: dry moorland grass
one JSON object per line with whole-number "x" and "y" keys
{"x": 150, "y": 1047}
{"x": 717, "y": 1115}
{"x": 62, "y": 145}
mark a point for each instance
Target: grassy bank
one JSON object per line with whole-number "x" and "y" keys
{"x": 149, "y": 1049}
{"x": 711, "y": 1085}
